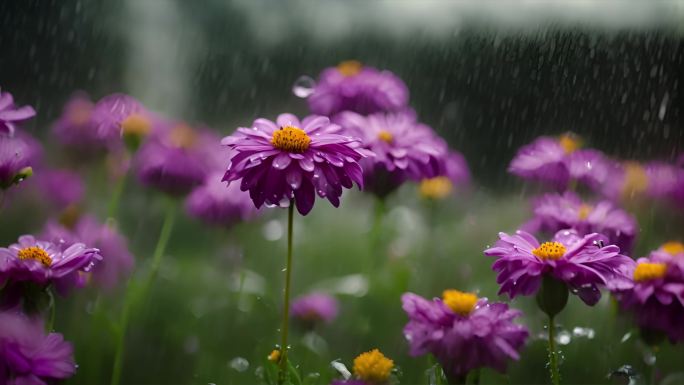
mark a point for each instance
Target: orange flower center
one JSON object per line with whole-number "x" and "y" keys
{"x": 436, "y": 188}
{"x": 135, "y": 124}
{"x": 569, "y": 142}
{"x": 673, "y": 247}
{"x": 349, "y": 67}
{"x": 550, "y": 250}
{"x": 584, "y": 211}
{"x": 35, "y": 253}
{"x": 385, "y": 136}
{"x": 460, "y": 302}
{"x": 291, "y": 139}
{"x": 636, "y": 180}
{"x": 182, "y": 136}
{"x": 647, "y": 271}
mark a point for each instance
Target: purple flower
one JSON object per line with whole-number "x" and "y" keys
{"x": 554, "y": 212}
{"x": 557, "y": 161}
{"x": 292, "y": 159}
{"x": 61, "y": 188}
{"x": 116, "y": 114}
{"x": 176, "y": 158}
{"x": 15, "y": 157}
{"x": 657, "y": 297}
{"x": 116, "y": 263}
{"x": 216, "y": 203}
{"x": 30, "y": 357}
{"x": 404, "y": 149}
{"x": 463, "y": 332}
{"x": 353, "y": 87}
{"x": 315, "y": 307}
{"x": 75, "y": 127}
{"x": 44, "y": 263}
{"x": 11, "y": 115}
{"x": 583, "y": 263}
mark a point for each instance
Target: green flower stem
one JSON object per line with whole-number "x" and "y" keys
{"x": 52, "y": 308}
{"x": 136, "y": 293}
{"x": 553, "y": 353}
{"x": 283, "y": 374}
{"x": 115, "y": 198}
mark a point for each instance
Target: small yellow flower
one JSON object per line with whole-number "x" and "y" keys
{"x": 647, "y": 271}
{"x": 274, "y": 356}
{"x": 460, "y": 302}
{"x": 673, "y": 247}
{"x": 373, "y": 367}
{"x": 436, "y": 188}
{"x": 570, "y": 142}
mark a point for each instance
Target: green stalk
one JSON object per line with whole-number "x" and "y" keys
{"x": 136, "y": 293}
{"x": 282, "y": 378}
{"x": 116, "y": 196}
{"x": 553, "y": 353}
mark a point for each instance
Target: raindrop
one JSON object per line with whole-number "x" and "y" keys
{"x": 341, "y": 368}
{"x": 624, "y": 372}
{"x": 238, "y": 363}
{"x": 304, "y": 86}
{"x": 564, "y": 337}
{"x": 588, "y": 333}
{"x": 626, "y": 337}
{"x": 272, "y": 230}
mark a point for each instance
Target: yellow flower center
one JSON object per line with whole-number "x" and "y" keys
{"x": 291, "y": 139}
{"x": 136, "y": 124}
{"x": 182, "y": 136}
{"x": 550, "y": 250}
{"x": 349, "y": 67}
{"x": 636, "y": 180}
{"x": 584, "y": 211}
{"x": 673, "y": 247}
{"x": 373, "y": 367}
{"x": 460, "y": 302}
{"x": 435, "y": 188}
{"x": 647, "y": 271}
{"x": 385, "y": 136}
{"x": 35, "y": 253}
{"x": 274, "y": 356}
{"x": 569, "y": 142}
{"x": 80, "y": 115}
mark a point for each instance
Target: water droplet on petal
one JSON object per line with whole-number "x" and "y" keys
{"x": 304, "y": 86}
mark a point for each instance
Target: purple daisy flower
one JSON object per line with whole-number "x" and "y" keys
{"x": 11, "y": 115}
{"x": 292, "y": 159}
{"x": 116, "y": 263}
{"x": 463, "y": 332}
{"x": 583, "y": 263}
{"x": 61, "y": 188}
{"x": 657, "y": 297}
{"x": 45, "y": 263}
{"x": 30, "y": 357}
{"x": 353, "y": 87}
{"x": 633, "y": 181}
{"x": 314, "y": 307}
{"x": 555, "y": 212}
{"x": 176, "y": 158}
{"x": 557, "y": 161}
{"x": 216, "y": 203}
{"x": 116, "y": 114}
{"x": 404, "y": 149}
{"x": 75, "y": 128}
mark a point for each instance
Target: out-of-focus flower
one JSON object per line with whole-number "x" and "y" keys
{"x": 216, "y": 203}
{"x": 582, "y": 263}
{"x": 352, "y": 86}
{"x": 62, "y": 188}
{"x": 11, "y": 115}
{"x": 554, "y": 212}
{"x": 558, "y": 161}
{"x": 373, "y": 367}
{"x": 314, "y": 307}
{"x": 44, "y": 263}
{"x": 175, "y": 159}
{"x": 75, "y": 127}
{"x": 30, "y": 357}
{"x": 117, "y": 261}
{"x": 404, "y": 149}
{"x": 292, "y": 159}
{"x": 15, "y": 160}
{"x": 454, "y": 173}
{"x": 463, "y": 332}
{"x": 657, "y": 297}
{"x": 117, "y": 115}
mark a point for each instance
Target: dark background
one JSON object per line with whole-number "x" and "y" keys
{"x": 486, "y": 90}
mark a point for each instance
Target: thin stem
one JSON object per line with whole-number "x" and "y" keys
{"x": 2, "y": 198}
{"x": 52, "y": 309}
{"x": 135, "y": 293}
{"x": 376, "y": 233}
{"x": 553, "y": 353}
{"x": 286, "y": 311}
{"x": 116, "y": 196}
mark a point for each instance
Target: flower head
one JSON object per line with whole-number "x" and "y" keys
{"x": 657, "y": 297}
{"x": 116, "y": 263}
{"x": 29, "y": 356}
{"x": 351, "y": 86}
{"x": 557, "y": 161}
{"x": 554, "y": 212}
{"x": 76, "y": 129}
{"x": 463, "y": 332}
{"x": 373, "y": 367}
{"x": 11, "y": 115}
{"x": 43, "y": 262}
{"x": 216, "y": 203}
{"x": 584, "y": 264}
{"x": 292, "y": 159}
{"x": 118, "y": 114}
{"x": 404, "y": 149}
{"x": 315, "y": 307}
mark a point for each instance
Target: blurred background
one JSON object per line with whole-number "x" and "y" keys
{"x": 488, "y": 77}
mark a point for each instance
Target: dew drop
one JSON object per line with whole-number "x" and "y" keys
{"x": 238, "y": 363}
{"x": 303, "y": 87}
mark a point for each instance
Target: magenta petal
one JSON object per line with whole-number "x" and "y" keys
{"x": 307, "y": 163}
{"x": 293, "y": 176}
{"x": 281, "y": 161}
